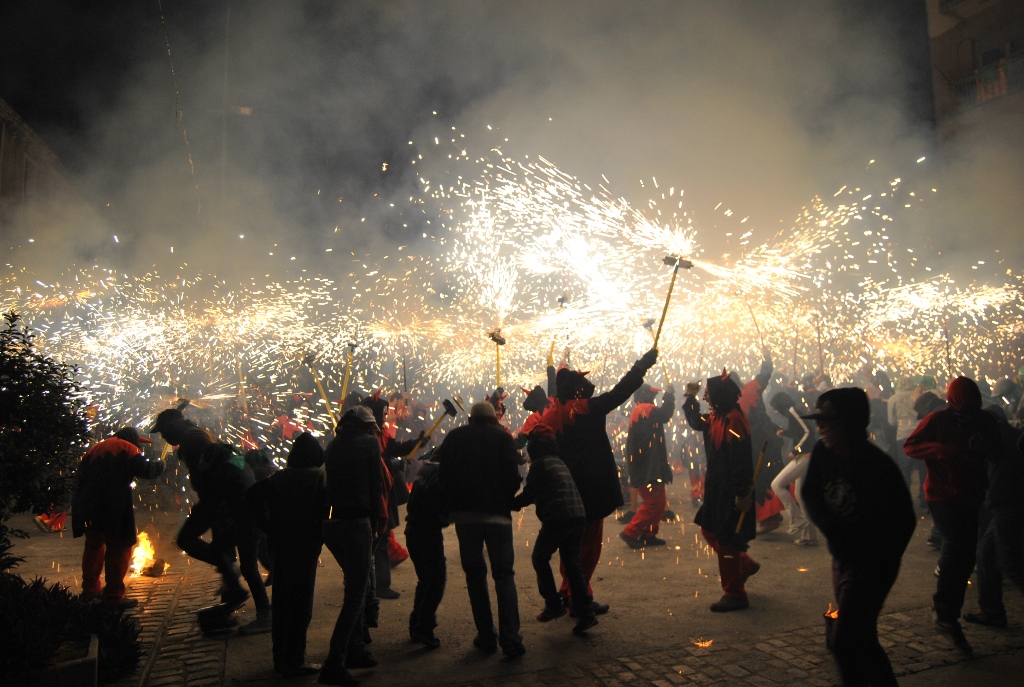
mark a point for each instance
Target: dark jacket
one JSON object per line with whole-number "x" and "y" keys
{"x": 583, "y": 442}
{"x": 355, "y": 475}
{"x": 479, "y": 468}
{"x": 225, "y": 479}
{"x": 860, "y": 503}
{"x": 426, "y": 507}
{"x": 549, "y": 484}
{"x": 103, "y": 493}
{"x": 289, "y": 506}
{"x": 956, "y": 448}
{"x": 646, "y": 452}
{"x": 195, "y": 440}
{"x": 1006, "y": 476}
{"x": 730, "y": 472}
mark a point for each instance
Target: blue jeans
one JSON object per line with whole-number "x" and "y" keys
{"x": 501, "y": 553}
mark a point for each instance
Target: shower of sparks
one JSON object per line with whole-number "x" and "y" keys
{"x": 551, "y": 261}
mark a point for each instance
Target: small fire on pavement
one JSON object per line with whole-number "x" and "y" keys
{"x": 144, "y": 560}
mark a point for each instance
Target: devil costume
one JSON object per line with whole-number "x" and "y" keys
{"x": 729, "y": 479}
{"x": 578, "y": 419}
{"x": 647, "y": 459}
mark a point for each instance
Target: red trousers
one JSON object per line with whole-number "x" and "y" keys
{"x": 396, "y": 552}
{"x": 593, "y": 538}
{"x": 648, "y": 517}
{"x": 771, "y": 507}
{"x": 733, "y": 566}
{"x": 697, "y": 483}
{"x": 99, "y": 553}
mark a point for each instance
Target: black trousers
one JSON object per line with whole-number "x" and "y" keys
{"x": 958, "y": 523}
{"x": 351, "y": 544}
{"x": 1000, "y": 552}
{"x": 861, "y": 589}
{"x": 567, "y": 539}
{"x": 426, "y": 549}
{"x": 220, "y": 553}
{"x": 294, "y": 583}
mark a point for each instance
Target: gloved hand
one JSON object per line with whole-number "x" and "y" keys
{"x": 692, "y": 389}
{"x": 691, "y": 403}
{"x": 671, "y": 389}
{"x": 649, "y": 358}
{"x": 743, "y": 504}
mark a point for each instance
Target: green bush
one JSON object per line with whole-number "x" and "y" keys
{"x": 38, "y": 618}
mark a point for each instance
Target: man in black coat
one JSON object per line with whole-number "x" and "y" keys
{"x": 355, "y": 485}
{"x": 855, "y": 494}
{"x": 102, "y": 511}
{"x": 1001, "y": 548}
{"x": 290, "y": 506}
{"x": 647, "y": 461}
{"x": 220, "y": 477}
{"x": 727, "y": 488}
{"x": 480, "y": 477}
{"x": 579, "y": 421}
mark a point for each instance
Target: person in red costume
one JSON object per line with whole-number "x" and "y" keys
{"x": 536, "y": 402}
{"x": 956, "y": 444}
{"x": 727, "y": 487}
{"x": 578, "y": 419}
{"x": 647, "y": 460}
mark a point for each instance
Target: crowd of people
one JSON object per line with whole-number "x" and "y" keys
{"x": 838, "y": 460}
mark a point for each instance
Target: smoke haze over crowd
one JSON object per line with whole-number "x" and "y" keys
{"x": 757, "y": 105}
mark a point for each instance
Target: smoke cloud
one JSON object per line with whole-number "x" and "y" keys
{"x": 756, "y": 105}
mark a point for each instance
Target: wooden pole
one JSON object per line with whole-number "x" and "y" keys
{"x": 668, "y": 299}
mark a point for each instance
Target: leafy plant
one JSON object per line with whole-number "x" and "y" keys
{"x": 43, "y": 427}
{"x": 39, "y": 618}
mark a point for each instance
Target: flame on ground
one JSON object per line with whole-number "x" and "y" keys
{"x": 832, "y": 612}
{"x": 702, "y": 643}
{"x": 143, "y": 556}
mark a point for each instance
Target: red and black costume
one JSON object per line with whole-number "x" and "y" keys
{"x": 578, "y": 419}
{"x": 730, "y": 475}
{"x": 536, "y": 402}
{"x": 647, "y": 461}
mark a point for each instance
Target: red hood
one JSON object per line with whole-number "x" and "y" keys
{"x": 963, "y": 395}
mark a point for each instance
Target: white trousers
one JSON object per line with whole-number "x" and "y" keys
{"x": 794, "y": 472}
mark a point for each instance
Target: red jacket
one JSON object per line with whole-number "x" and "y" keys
{"x": 956, "y": 448}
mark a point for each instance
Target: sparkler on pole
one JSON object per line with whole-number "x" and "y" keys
{"x": 752, "y": 317}
{"x": 348, "y": 371}
{"x": 499, "y": 341}
{"x": 449, "y": 409}
{"x": 309, "y": 360}
{"x": 677, "y": 263}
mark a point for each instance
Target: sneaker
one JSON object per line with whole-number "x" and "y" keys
{"x": 425, "y": 637}
{"x": 729, "y": 603}
{"x": 983, "y": 618}
{"x": 599, "y": 609}
{"x": 653, "y": 541}
{"x": 337, "y": 676}
{"x": 299, "y": 670}
{"x": 754, "y": 568}
{"x": 485, "y": 645}
{"x": 806, "y": 542}
{"x": 361, "y": 660}
{"x": 514, "y": 651}
{"x": 626, "y": 517}
{"x": 669, "y": 516}
{"x": 389, "y": 594}
{"x": 584, "y": 624}
{"x": 630, "y": 542}
{"x": 954, "y": 633}
{"x": 261, "y": 625}
{"x": 126, "y": 603}
{"x": 234, "y": 598}
{"x": 549, "y": 613}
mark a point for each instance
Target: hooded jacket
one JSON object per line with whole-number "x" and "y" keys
{"x": 103, "y": 493}
{"x": 550, "y": 486}
{"x": 290, "y": 505}
{"x": 956, "y": 444}
{"x": 730, "y": 465}
{"x": 646, "y": 452}
{"x": 355, "y": 475}
{"x": 1006, "y": 477}
{"x": 578, "y": 419}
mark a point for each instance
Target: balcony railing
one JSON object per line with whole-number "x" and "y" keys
{"x": 989, "y": 83}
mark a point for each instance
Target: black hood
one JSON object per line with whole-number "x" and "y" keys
{"x": 536, "y": 400}
{"x": 723, "y": 393}
{"x": 571, "y": 384}
{"x": 306, "y": 452}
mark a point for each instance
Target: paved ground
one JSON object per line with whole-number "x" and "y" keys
{"x": 659, "y": 602}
